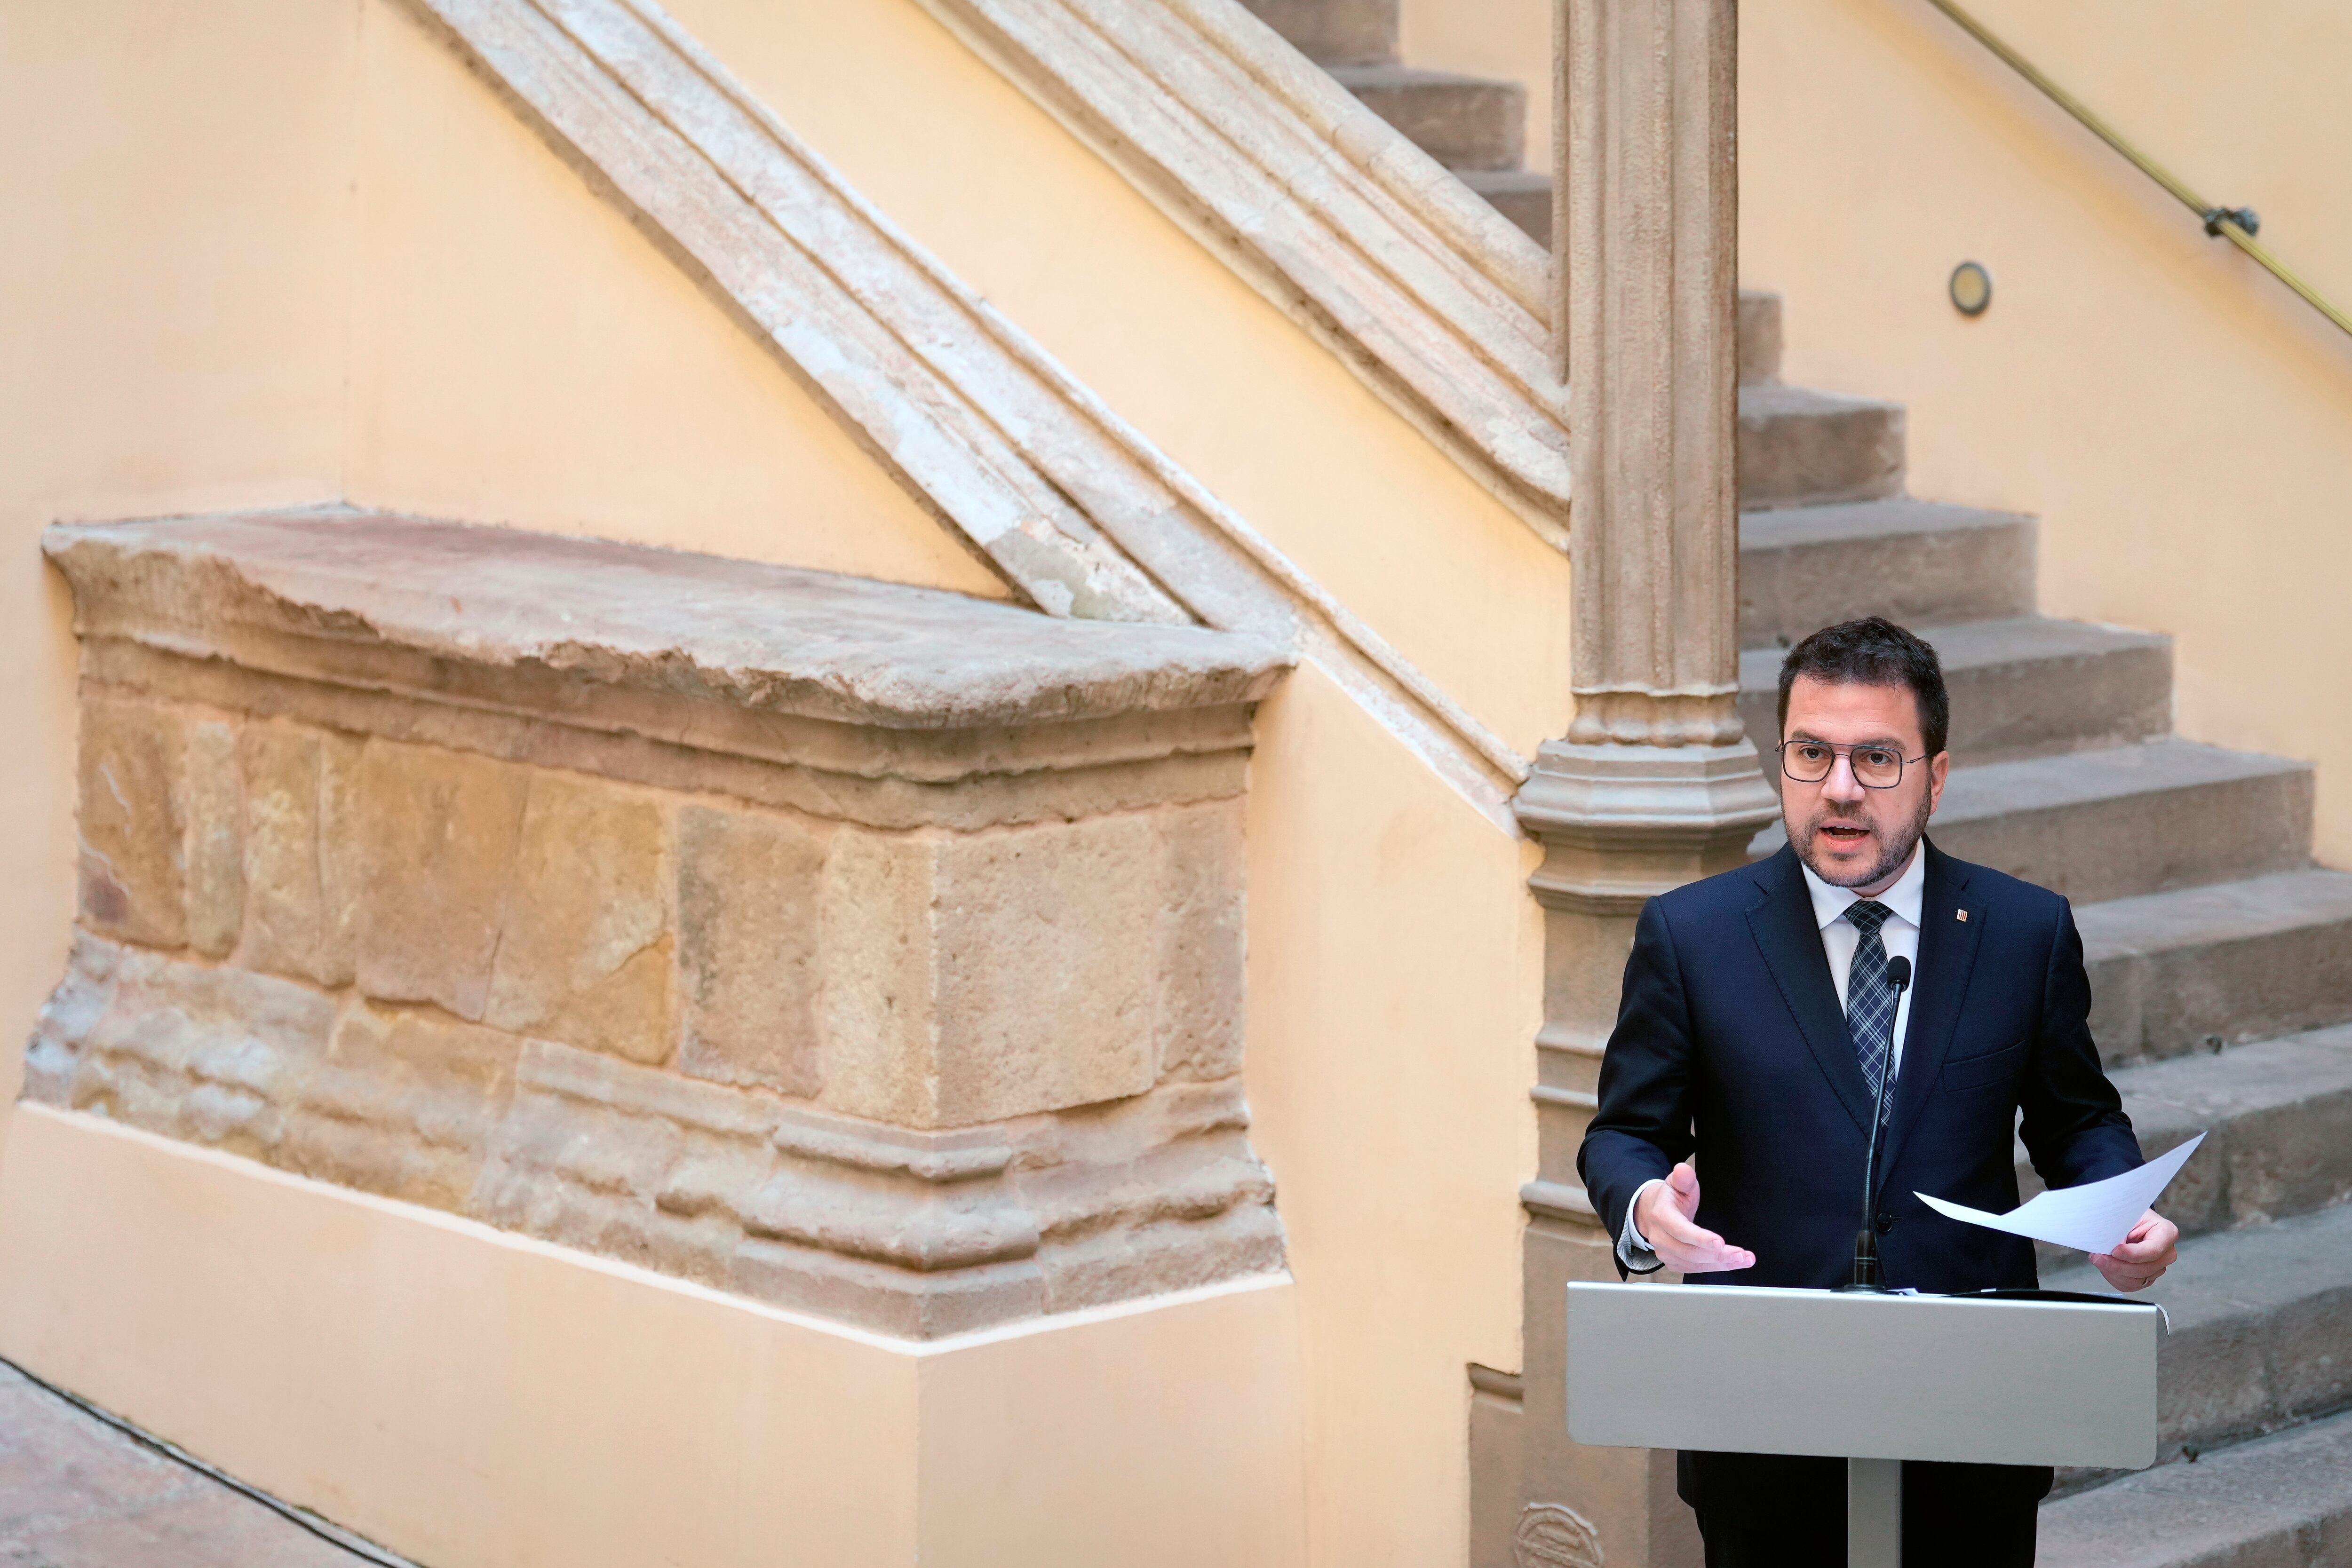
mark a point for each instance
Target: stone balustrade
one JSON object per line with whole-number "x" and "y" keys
{"x": 872, "y": 951}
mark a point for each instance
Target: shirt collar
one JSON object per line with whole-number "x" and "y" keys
{"x": 1904, "y": 899}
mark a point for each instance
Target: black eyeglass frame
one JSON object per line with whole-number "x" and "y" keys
{"x": 1901, "y": 762}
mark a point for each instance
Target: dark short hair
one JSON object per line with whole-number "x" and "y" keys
{"x": 1873, "y": 652}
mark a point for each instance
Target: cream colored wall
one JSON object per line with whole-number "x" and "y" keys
{"x": 1395, "y": 993}
{"x": 474, "y": 1399}
{"x": 2182, "y": 424}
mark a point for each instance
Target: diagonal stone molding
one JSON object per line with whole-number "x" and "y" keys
{"x": 1442, "y": 304}
{"x": 1074, "y": 507}
{"x": 869, "y": 950}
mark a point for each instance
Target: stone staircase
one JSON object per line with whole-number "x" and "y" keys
{"x": 1476, "y": 126}
{"x": 2220, "y": 957}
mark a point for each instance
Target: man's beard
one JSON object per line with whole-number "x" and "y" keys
{"x": 1899, "y": 842}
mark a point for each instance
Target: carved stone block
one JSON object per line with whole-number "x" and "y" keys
{"x": 215, "y": 852}
{"x": 749, "y": 884}
{"x": 872, "y": 951}
{"x": 584, "y": 946}
{"x": 133, "y": 819}
{"x": 301, "y": 793}
{"x": 435, "y": 839}
{"x": 1197, "y": 1004}
{"x": 403, "y": 1103}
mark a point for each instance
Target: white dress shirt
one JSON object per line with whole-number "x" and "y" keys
{"x": 1840, "y": 938}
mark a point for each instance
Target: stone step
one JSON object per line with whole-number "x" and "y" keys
{"x": 2277, "y": 1119}
{"x": 1463, "y": 121}
{"x": 1920, "y": 563}
{"x": 2284, "y": 1502}
{"x": 2203, "y": 967}
{"x": 2130, "y": 819}
{"x": 1335, "y": 32}
{"x": 2262, "y": 1329}
{"x": 2021, "y": 686}
{"x": 1522, "y": 195}
{"x": 1799, "y": 447}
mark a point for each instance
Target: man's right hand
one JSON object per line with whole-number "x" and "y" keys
{"x": 1662, "y": 1215}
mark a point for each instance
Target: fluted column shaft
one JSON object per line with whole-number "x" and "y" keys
{"x": 1655, "y": 784}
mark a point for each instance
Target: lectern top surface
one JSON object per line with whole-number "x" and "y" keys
{"x": 1748, "y": 1369}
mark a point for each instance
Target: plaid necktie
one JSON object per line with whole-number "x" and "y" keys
{"x": 1869, "y": 996}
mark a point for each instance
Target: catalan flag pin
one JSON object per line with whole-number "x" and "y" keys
{"x": 1964, "y": 915}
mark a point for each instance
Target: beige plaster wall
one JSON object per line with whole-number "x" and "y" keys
{"x": 2182, "y": 425}
{"x": 585, "y": 1413}
{"x": 1395, "y": 991}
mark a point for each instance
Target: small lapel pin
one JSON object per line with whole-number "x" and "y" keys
{"x": 1964, "y": 915}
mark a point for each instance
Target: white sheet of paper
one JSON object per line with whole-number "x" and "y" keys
{"x": 2094, "y": 1217}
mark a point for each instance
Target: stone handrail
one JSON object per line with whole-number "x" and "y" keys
{"x": 1078, "y": 511}
{"x": 868, "y": 950}
{"x": 1433, "y": 296}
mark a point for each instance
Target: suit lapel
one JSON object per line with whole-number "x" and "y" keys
{"x": 1947, "y": 952}
{"x": 1782, "y": 924}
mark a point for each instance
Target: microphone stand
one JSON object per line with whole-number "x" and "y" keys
{"x": 1865, "y": 1241}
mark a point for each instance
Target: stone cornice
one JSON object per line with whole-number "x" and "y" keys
{"x": 342, "y": 595}
{"x": 1075, "y": 509}
{"x": 1436, "y": 298}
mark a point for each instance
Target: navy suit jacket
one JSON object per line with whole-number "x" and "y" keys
{"x": 1730, "y": 1044}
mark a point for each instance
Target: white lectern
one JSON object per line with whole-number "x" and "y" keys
{"x": 1872, "y": 1379}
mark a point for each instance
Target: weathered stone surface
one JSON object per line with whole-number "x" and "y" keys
{"x": 972, "y": 978}
{"x": 300, "y": 879}
{"x": 215, "y": 839}
{"x": 878, "y": 979}
{"x": 436, "y": 840}
{"x": 1197, "y": 993}
{"x": 749, "y": 886}
{"x": 404, "y": 1104}
{"x": 2279, "y": 1502}
{"x": 2260, "y": 1327}
{"x": 216, "y": 1056}
{"x": 1046, "y": 957}
{"x": 584, "y": 946}
{"x": 134, "y": 820}
{"x": 742, "y": 634}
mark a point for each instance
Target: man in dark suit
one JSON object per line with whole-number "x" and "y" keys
{"x": 1759, "y": 1013}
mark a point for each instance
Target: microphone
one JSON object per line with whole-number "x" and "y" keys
{"x": 1865, "y": 1241}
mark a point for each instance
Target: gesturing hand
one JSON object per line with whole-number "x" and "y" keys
{"x": 2150, "y": 1249}
{"x": 1662, "y": 1215}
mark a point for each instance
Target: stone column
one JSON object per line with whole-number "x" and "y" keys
{"x": 1655, "y": 785}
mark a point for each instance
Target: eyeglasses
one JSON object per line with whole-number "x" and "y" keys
{"x": 1875, "y": 766}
